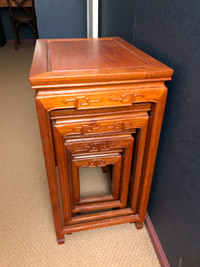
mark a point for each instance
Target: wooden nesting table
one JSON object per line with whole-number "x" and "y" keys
{"x": 100, "y": 103}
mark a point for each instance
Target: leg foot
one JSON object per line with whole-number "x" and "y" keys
{"x": 104, "y": 170}
{"x": 139, "y": 225}
{"x": 61, "y": 241}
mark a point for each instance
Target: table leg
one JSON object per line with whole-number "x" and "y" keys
{"x": 47, "y": 142}
{"x": 153, "y": 135}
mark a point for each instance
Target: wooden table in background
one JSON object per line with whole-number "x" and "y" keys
{"x": 3, "y": 3}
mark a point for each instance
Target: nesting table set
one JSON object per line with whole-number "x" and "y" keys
{"x": 100, "y": 103}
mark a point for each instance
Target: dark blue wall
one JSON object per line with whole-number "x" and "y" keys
{"x": 170, "y": 31}
{"x": 116, "y": 18}
{"x": 61, "y": 19}
{"x": 55, "y": 19}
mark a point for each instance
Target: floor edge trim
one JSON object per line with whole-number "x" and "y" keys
{"x": 156, "y": 242}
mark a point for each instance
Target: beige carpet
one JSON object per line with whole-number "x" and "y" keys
{"x": 27, "y": 236}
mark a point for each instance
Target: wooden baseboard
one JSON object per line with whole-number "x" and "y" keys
{"x": 156, "y": 243}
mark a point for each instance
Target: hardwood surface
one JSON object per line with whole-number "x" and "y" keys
{"x": 3, "y": 3}
{"x": 90, "y": 95}
{"x": 58, "y": 62}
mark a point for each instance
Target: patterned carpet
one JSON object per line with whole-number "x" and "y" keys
{"x": 27, "y": 236}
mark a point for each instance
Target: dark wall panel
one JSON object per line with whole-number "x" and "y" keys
{"x": 61, "y": 19}
{"x": 170, "y": 31}
{"x": 117, "y": 18}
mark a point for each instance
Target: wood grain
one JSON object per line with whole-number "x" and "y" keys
{"x": 3, "y": 3}
{"x": 85, "y": 60}
{"x": 94, "y": 97}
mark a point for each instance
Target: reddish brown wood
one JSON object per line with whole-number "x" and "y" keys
{"x": 88, "y": 200}
{"x": 63, "y": 177}
{"x": 71, "y": 113}
{"x": 101, "y": 215}
{"x": 93, "y": 145}
{"x": 101, "y": 145}
{"x": 139, "y": 225}
{"x": 137, "y": 164}
{"x": 47, "y": 142}
{"x": 92, "y": 161}
{"x": 97, "y": 206}
{"x": 150, "y": 152}
{"x": 100, "y": 223}
{"x": 91, "y": 94}
{"x": 69, "y": 62}
{"x": 104, "y": 170}
{"x": 3, "y": 3}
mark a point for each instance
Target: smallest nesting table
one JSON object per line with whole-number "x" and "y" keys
{"x": 100, "y": 104}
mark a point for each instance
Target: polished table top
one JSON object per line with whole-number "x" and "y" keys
{"x": 75, "y": 61}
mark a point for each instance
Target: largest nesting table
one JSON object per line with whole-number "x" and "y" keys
{"x": 100, "y": 103}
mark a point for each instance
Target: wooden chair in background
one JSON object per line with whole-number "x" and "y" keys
{"x": 21, "y": 13}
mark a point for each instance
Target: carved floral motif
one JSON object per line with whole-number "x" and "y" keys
{"x": 125, "y": 98}
{"x": 82, "y": 101}
{"x": 96, "y": 163}
{"x": 97, "y": 127}
{"x": 98, "y": 146}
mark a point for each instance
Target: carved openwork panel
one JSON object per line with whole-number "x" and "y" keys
{"x": 120, "y": 144}
{"x": 102, "y": 100}
{"x": 97, "y": 143}
{"x": 92, "y": 151}
{"x": 107, "y": 124}
{"x": 114, "y": 159}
